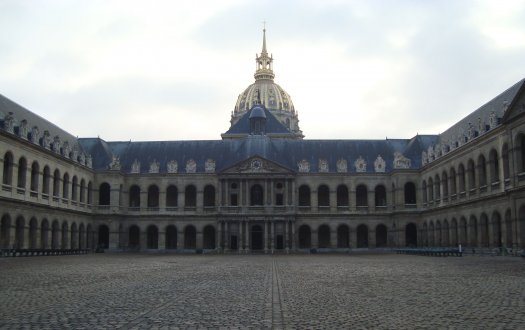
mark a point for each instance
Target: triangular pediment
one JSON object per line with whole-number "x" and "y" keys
{"x": 257, "y": 165}
{"x": 516, "y": 107}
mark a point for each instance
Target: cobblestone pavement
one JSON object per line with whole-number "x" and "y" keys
{"x": 293, "y": 292}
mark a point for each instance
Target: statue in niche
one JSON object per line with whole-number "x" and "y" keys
{"x": 46, "y": 140}
{"x": 135, "y": 167}
{"x": 9, "y": 123}
{"x": 115, "y": 164}
{"x": 323, "y": 166}
{"x": 481, "y": 126}
{"x": 444, "y": 148}
{"x": 154, "y": 167}
{"x": 191, "y": 166}
{"x": 23, "y": 129}
{"x": 493, "y": 120}
{"x": 470, "y": 132}
{"x": 401, "y": 161}
{"x": 56, "y": 144}
{"x": 35, "y": 135}
{"x": 437, "y": 150}
{"x": 89, "y": 161}
{"x": 430, "y": 154}
{"x": 65, "y": 149}
{"x": 172, "y": 166}
{"x": 424, "y": 158}
{"x": 379, "y": 164}
{"x": 303, "y": 166}
{"x": 209, "y": 166}
{"x": 82, "y": 159}
{"x": 342, "y": 166}
{"x": 74, "y": 153}
{"x": 360, "y": 165}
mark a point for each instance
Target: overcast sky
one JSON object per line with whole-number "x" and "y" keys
{"x": 172, "y": 70}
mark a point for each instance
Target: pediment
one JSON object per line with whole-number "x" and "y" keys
{"x": 257, "y": 165}
{"x": 515, "y": 108}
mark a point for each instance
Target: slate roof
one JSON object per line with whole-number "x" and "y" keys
{"x": 286, "y": 152}
{"x": 273, "y": 125}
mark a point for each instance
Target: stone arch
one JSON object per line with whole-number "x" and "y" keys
{"x": 497, "y": 232}
{"x": 153, "y": 197}
{"x": 89, "y": 193}
{"x": 46, "y": 180}
{"x": 5, "y": 231}
{"x": 22, "y": 173}
{"x": 82, "y": 191}
{"x": 44, "y": 234}
{"x": 484, "y": 230}
{"x": 411, "y": 234}
{"x": 74, "y": 188}
{"x": 425, "y": 234}
{"x": 343, "y": 236}
{"x": 342, "y": 196}
{"x": 134, "y": 237}
{"x": 445, "y": 233}
{"x": 323, "y": 196}
{"x": 33, "y": 233}
{"x": 361, "y": 192}
{"x": 381, "y": 236}
{"x": 437, "y": 187}
{"x": 463, "y": 231}
{"x": 482, "y": 170}
{"x": 438, "y": 234}
{"x": 454, "y": 232}
{"x": 190, "y": 237}
{"x": 521, "y": 227}
{"x": 190, "y": 196}
{"x": 104, "y": 194}
{"x": 209, "y": 237}
{"x": 362, "y": 236}
{"x": 81, "y": 236}
{"x": 171, "y": 237}
{"x": 461, "y": 178}
{"x": 7, "y": 177}
{"x": 56, "y": 183}
{"x": 473, "y": 231}
{"x": 509, "y": 241}
{"x": 304, "y": 195}
{"x": 256, "y": 195}
{"x": 520, "y": 152}
{"x": 431, "y": 234}
{"x": 323, "y": 236}
{"x": 430, "y": 190}
{"x": 172, "y": 194}
{"x": 424, "y": 191}
{"x": 152, "y": 237}
{"x": 74, "y": 236}
{"x": 453, "y": 181}
{"x": 305, "y": 237}
{"x": 134, "y": 196}
{"x": 444, "y": 184}
{"x": 471, "y": 173}
{"x": 90, "y": 242}
{"x": 19, "y": 233}
{"x": 410, "y": 193}
{"x": 209, "y": 196}
{"x": 103, "y": 237}
{"x": 505, "y": 161}
{"x": 380, "y": 195}
{"x": 65, "y": 186}
{"x": 55, "y": 235}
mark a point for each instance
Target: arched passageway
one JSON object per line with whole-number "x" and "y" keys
{"x": 362, "y": 236}
{"x": 411, "y": 235}
{"x": 103, "y": 237}
{"x": 343, "y": 234}
{"x": 305, "y": 237}
{"x": 257, "y": 237}
{"x": 209, "y": 237}
{"x": 381, "y": 236}
{"x": 190, "y": 238}
{"x": 152, "y": 241}
{"x": 171, "y": 237}
{"x": 323, "y": 236}
{"x": 134, "y": 237}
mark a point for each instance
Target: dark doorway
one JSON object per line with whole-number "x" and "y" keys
{"x": 171, "y": 237}
{"x": 153, "y": 237}
{"x": 134, "y": 237}
{"x": 279, "y": 242}
{"x": 381, "y": 236}
{"x": 256, "y": 195}
{"x": 362, "y": 236}
{"x": 257, "y": 238}
{"x": 234, "y": 244}
{"x": 209, "y": 237}
{"x": 305, "y": 237}
{"x": 342, "y": 237}
{"x": 411, "y": 235}
{"x": 323, "y": 235}
{"x": 103, "y": 237}
{"x": 190, "y": 238}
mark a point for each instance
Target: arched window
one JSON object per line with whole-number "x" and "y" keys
{"x": 304, "y": 195}
{"x": 153, "y": 196}
{"x": 482, "y": 166}
{"x": 82, "y": 191}
{"x": 134, "y": 196}
{"x": 424, "y": 190}
{"x": 410, "y": 193}
{"x": 342, "y": 196}
{"x": 361, "y": 196}
{"x": 323, "y": 196}
{"x": 209, "y": 196}
{"x": 74, "y": 188}
{"x": 461, "y": 177}
{"x": 22, "y": 172}
{"x": 453, "y": 182}
{"x": 172, "y": 196}
{"x": 444, "y": 184}
{"x": 90, "y": 193}
{"x": 494, "y": 166}
{"x": 380, "y": 196}
{"x": 256, "y": 195}
{"x": 56, "y": 183}
{"x": 520, "y": 148}
{"x": 46, "y": 180}
{"x": 430, "y": 190}
{"x": 7, "y": 178}
{"x": 65, "y": 186}
{"x": 35, "y": 169}
{"x": 190, "y": 196}
{"x": 437, "y": 187}
{"x": 104, "y": 194}
{"x": 471, "y": 169}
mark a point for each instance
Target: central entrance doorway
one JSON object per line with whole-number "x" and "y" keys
{"x": 257, "y": 238}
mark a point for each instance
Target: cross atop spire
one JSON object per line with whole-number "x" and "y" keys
{"x": 264, "y": 65}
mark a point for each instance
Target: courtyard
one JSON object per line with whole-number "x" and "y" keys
{"x": 168, "y": 291}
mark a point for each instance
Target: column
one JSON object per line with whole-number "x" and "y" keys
{"x": 285, "y": 236}
{"x": 180, "y": 238}
{"x": 248, "y": 237}
{"x": 333, "y": 200}
{"x": 200, "y": 200}
{"x": 333, "y": 237}
{"x": 371, "y": 196}
{"x": 272, "y": 235}
{"x": 265, "y": 236}
{"x": 294, "y": 245}
{"x": 227, "y": 235}
{"x": 180, "y": 198}
{"x": 199, "y": 244}
{"x": 315, "y": 238}
{"x": 162, "y": 239}
{"x": 353, "y": 196}
{"x": 313, "y": 200}
{"x": 114, "y": 236}
{"x": 220, "y": 243}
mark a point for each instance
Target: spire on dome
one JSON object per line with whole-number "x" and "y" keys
{"x": 264, "y": 65}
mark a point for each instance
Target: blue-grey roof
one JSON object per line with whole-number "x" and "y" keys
{"x": 286, "y": 152}
{"x": 273, "y": 125}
